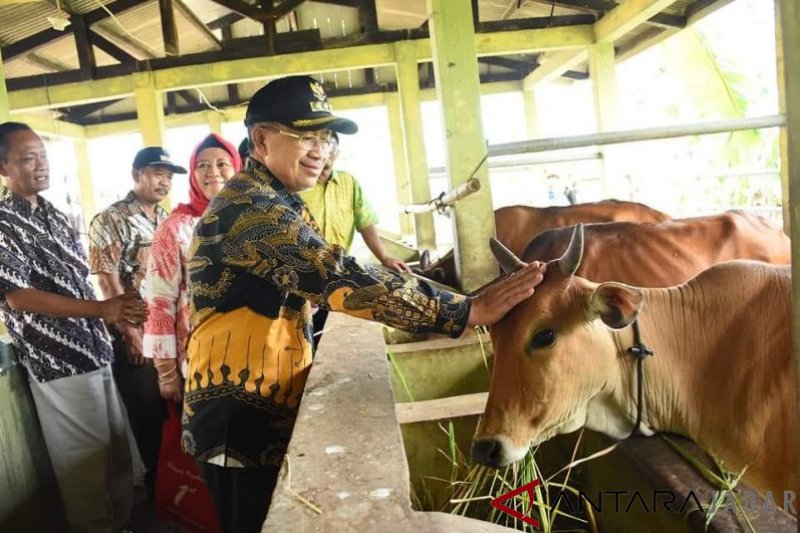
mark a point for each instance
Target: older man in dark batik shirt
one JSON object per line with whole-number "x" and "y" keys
{"x": 256, "y": 264}
{"x": 53, "y": 319}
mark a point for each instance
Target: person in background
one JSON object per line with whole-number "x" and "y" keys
{"x": 55, "y": 324}
{"x": 213, "y": 162}
{"x": 340, "y": 208}
{"x": 257, "y": 263}
{"x": 244, "y": 149}
{"x": 119, "y": 244}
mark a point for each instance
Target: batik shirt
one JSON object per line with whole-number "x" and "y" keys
{"x": 255, "y": 263}
{"x": 38, "y": 250}
{"x": 340, "y": 208}
{"x": 120, "y": 239}
{"x": 167, "y": 290}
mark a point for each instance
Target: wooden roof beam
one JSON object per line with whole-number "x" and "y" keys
{"x": 169, "y": 30}
{"x": 601, "y": 6}
{"x": 626, "y": 17}
{"x": 286, "y": 7}
{"x": 110, "y": 48}
{"x": 46, "y": 63}
{"x": 243, "y": 8}
{"x": 555, "y": 66}
{"x": 43, "y": 37}
{"x": 83, "y": 45}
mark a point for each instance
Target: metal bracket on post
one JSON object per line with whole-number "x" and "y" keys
{"x": 446, "y": 199}
{"x": 449, "y": 198}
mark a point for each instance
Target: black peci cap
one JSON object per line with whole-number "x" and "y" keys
{"x": 155, "y": 156}
{"x": 299, "y": 102}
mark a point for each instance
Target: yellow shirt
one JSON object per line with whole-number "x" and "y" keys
{"x": 339, "y": 208}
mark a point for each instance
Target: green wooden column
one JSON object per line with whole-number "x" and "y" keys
{"x": 417, "y": 160}
{"x": 214, "y": 121}
{"x": 458, "y": 88}
{"x": 149, "y": 109}
{"x": 5, "y": 106}
{"x": 401, "y": 175}
{"x": 788, "y": 37}
{"x": 150, "y": 114}
{"x": 602, "y": 67}
{"x": 532, "y": 126}
{"x": 85, "y": 179}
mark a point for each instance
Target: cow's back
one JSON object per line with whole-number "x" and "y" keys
{"x": 667, "y": 253}
{"x": 517, "y": 225}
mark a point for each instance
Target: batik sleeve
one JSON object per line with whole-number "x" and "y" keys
{"x": 105, "y": 244}
{"x": 162, "y": 293}
{"x": 272, "y": 242}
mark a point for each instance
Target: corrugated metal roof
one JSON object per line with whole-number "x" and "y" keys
{"x": 18, "y": 21}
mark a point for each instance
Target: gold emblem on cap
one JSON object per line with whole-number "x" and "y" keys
{"x": 318, "y": 90}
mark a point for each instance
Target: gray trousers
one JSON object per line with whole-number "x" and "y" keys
{"x": 86, "y": 431}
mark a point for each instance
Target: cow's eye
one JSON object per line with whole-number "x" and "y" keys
{"x": 543, "y": 338}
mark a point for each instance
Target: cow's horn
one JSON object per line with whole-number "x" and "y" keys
{"x": 571, "y": 260}
{"x": 508, "y": 261}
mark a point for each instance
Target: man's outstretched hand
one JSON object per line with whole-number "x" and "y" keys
{"x": 499, "y": 298}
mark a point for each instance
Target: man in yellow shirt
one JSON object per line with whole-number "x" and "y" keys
{"x": 340, "y": 208}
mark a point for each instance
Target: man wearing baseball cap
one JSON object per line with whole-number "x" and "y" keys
{"x": 119, "y": 245}
{"x": 256, "y": 265}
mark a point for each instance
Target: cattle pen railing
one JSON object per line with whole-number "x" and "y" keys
{"x": 636, "y": 135}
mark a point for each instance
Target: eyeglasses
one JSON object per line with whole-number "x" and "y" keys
{"x": 308, "y": 141}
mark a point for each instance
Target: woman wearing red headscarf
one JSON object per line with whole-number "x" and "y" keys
{"x": 214, "y": 161}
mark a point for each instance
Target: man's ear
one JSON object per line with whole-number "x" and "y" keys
{"x": 135, "y": 175}
{"x": 3, "y": 169}
{"x": 258, "y": 144}
{"x": 616, "y": 304}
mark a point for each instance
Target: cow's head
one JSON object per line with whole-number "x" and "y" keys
{"x": 556, "y": 365}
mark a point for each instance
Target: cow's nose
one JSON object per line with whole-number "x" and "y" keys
{"x": 487, "y": 452}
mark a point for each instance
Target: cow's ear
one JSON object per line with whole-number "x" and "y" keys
{"x": 616, "y": 304}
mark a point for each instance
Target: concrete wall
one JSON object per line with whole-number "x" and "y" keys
{"x": 29, "y": 500}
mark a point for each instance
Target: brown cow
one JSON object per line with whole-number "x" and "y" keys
{"x": 722, "y": 373}
{"x": 669, "y": 253}
{"x": 517, "y": 225}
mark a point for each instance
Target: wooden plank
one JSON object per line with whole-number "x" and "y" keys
{"x": 110, "y": 48}
{"x": 45, "y": 36}
{"x": 626, "y": 17}
{"x": 443, "y": 343}
{"x": 243, "y": 8}
{"x": 27, "y": 44}
{"x": 285, "y": 7}
{"x": 601, "y": 6}
{"x": 169, "y": 31}
{"x": 441, "y": 409}
{"x": 83, "y": 44}
{"x": 368, "y": 16}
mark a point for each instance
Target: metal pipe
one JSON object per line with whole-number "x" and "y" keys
{"x": 646, "y": 134}
{"x": 446, "y": 199}
{"x": 530, "y": 161}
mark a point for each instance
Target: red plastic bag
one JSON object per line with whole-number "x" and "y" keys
{"x": 182, "y": 496}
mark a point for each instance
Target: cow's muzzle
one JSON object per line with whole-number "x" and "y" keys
{"x": 489, "y": 452}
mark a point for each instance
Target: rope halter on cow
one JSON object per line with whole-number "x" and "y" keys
{"x": 640, "y": 351}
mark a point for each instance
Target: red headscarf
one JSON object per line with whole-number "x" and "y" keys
{"x": 197, "y": 200}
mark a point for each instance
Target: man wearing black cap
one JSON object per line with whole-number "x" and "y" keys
{"x": 119, "y": 245}
{"x": 256, "y": 265}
